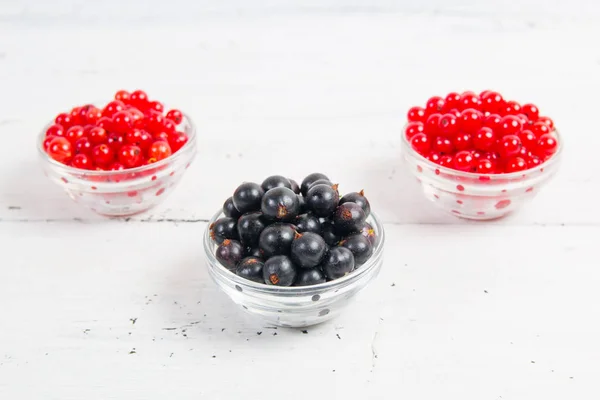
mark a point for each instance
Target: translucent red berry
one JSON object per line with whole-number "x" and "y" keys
{"x": 540, "y": 128}
{"x": 443, "y": 145}
{"x": 469, "y": 99}
{"x": 82, "y": 161}
{"x": 470, "y": 120}
{"x": 515, "y": 164}
{"x": 528, "y": 138}
{"x": 155, "y": 123}
{"x": 177, "y": 141}
{"x": 531, "y": 111}
{"x": 434, "y": 105}
{"x": 544, "y": 120}
{"x": 55, "y": 130}
{"x": 140, "y": 138}
{"x": 432, "y": 124}
{"x": 484, "y": 139}
{"x": 83, "y": 146}
{"x": 60, "y": 149}
{"x": 494, "y": 122}
{"x": 547, "y": 145}
{"x": 139, "y": 99}
{"x": 510, "y": 125}
{"x": 533, "y": 161}
{"x": 446, "y": 161}
{"x": 177, "y": 116}
{"x": 415, "y": 114}
{"x": 491, "y": 101}
{"x": 509, "y": 146}
{"x": 156, "y": 106}
{"x": 97, "y": 135}
{"x": 512, "y": 108}
{"x": 421, "y": 143}
{"x": 463, "y": 141}
{"x": 484, "y": 166}
{"x": 463, "y": 161}
{"x": 122, "y": 95}
{"x": 412, "y": 128}
{"x": 130, "y": 156}
{"x": 451, "y": 102}
{"x": 112, "y": 108}
{"x": 122, "y": 122}
{"x": 115, "y": 141}
{"x": 448, "y": 125}
{"x": 75, "y": 133}
{"x": 103, "y": 155}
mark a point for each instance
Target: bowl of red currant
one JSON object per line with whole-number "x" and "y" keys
{"x": 480, "y": 156}
{"x": 121, "y": 157}
{"x": 294, "y": 255}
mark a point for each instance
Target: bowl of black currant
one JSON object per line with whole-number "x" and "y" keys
{"x": 294, "y": 255}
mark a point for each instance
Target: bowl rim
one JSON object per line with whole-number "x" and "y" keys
{"x": 296, "y": 290}
{"x": 192, "y": 137}
{"x": 474, "y": 175}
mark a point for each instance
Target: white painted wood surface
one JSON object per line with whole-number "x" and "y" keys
{"x": 101, "y": 309}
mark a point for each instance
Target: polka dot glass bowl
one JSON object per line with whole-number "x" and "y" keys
{"x": 297, "y": 306}
{"x": 475, "y": 196}
{"x": 127, "y": 192}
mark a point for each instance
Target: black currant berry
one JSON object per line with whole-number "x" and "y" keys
{"x": 279, "y": 271}
{"x": 249, "y": 227}
{"x": 338, "y": 262}
{"x": 295, "y": 187}
{"x": 320, "y": 182}
{"x": 309, "y": 180}
{"x": 307, "y": 223}
{"x": 308, "y": 277}
{"x": 368, "y": 232}
{"x": 302, "y": 203}
{"x": 322, "y": 200}
{"x": 358, "y": 198}
{"x": 329, "y": 234}
{"x": 253, "y": 252}
{"x": 229, "y": 253}
{"x": 359, "y": 246}
{"x": 349, "y": 218}
{"x": 251, "y": 268}
{"x": 275, "y": 181}
{"x": 276, "y": 240}
{"x": 247, "y": 197}
{"x": 224, "y": 228}
{"x": 280, "y": 204}
{"x": 229, "y": 209}
{"x": 308, "y": 249}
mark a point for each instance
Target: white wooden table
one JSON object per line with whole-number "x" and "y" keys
{"x": 92, "y": 308}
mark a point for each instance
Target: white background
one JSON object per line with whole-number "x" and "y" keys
{"x": 500, "y": 310}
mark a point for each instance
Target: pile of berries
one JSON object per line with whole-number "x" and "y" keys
{"x": 481, "y": 133}
{"x": 128, "y": 132}
{"x": 279, "y": 233}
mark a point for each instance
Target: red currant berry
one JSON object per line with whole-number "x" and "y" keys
{"x": 434, "y": 157}
{"x": 484, "y": 166}
{"x": 463, "y": 141}
{"x": 93, "y": 115}
{"x": 434, "y": 105}
{"x": 82, "y": 161}
{"x": 446, "y": 161}
{"x": 492, "y": 101}
{"x": 432, "y": 124}
{"x": 470, "y": 120}
{"x": 533, "y": 161}
{"x": 463, "y": 160}
{"x": 60, "y": 149}
{"x": 139, "y": 138}
{"x": 75, "y": 133}
{"x": 177, "y": 141}
{"x": 83, "y": 146}
{"x": 484, "y": 139}
{"x": 156, "y": 106}
{"x": 75, "y": 115}
{"x": 104, "y": 123}
{"x": 122, "y": 95}
{"x": 515, "y": 164}
{"x": 415, "y": 114}
{"x": 112, "y": 108}
{"x": 531, "y": 111}
{"x": 177, "y": 116}
{"x": 492, "y": 156}
{"x": 420, "y": 142}
{"x": 512, "y": 108}
{"x": 137, "y": 117}
{"x": 494, "y": 122}
{"x": 412, "y": 128}
{"x": 155, "y": 122}
{"x": 139, "y": 99}
{"x": 540, "y": 128}
{"x": 116, "y": 166}
{"x": 451, "y": 102}
{"x": 546, "y": 145}
{"x": 469, "y": 100}
{"x": 510, "y": 125}
{"x": 509, "y": 146}
{"x": 122, "y": 122}
{"x": 528, "y": 138}
{"x": 443, "y": 145}
{"x": 63, "y": 119}
{"x": 161, "y": 150}
{"x": 131, "y": 156}
{"x": 103, "y": 155}
{"x": 115, "y": 141}
{"x": 544, "y": 120}
{"x": 97, "y": 135}
{"x": 55, "y": 130}
{"x": 47, "y": 141}
{"x": 484, "y": 93}
{"x": 448, "y": 125}
{"x": 164, "y": 136}
{"x": 454, "y": 112}
{"x": 477, "y": 154}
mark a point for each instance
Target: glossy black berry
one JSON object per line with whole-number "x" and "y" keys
{"x": 247, "y": 197}
{"x": 276, "y": 239}
{"x": 307, "y": 223}
{"x": 275, "y": 181}
{"x": 368, "y": 232}
{"x": 359, "y": 246}
{"x": 249, "y": 227}
{"x": 280, "y": 204}
{"x": 295, "y": 187}
{"x": 279, "y": 271}
{"x": 322, "y": 200}
{"x": 302, "y": 203}
{"x": 251, "y": 268}
{"x": 320, "y": 182}
{"x": 308, "y": 249}
{"x": 358, "y": 198}
{"x": 229, "y": 253}
{"x": 349, "y": 218}
{"x": 229, "y": 209}
{"x": 337, "y": 263}
{"x": 309, "y": 276}
{"x": 253, "y": 252}
{"x": 328, "y": 233}
{"x": 224, "y": 228}
{"x": 309, "y": 180}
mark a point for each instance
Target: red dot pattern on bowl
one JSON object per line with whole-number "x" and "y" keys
{"x": 484, "y": 178}
{"x": 160, "y": 191}
{"x": 419, "y": 168}
{"x": 437, "y": 171}
{"x": 459, "y": 201}
{"x": 94, "y": 188}
{"x": 132, "y": 194}
{"x": 153, "y": 177}
{"x": 460, "y": 188}
{"x": 502, "y": 204}
{"x": 480, "y": 213}
{"x": 64, "y": 179}
{"x": 529, "y": 190}
{"x": 456, "y": 211}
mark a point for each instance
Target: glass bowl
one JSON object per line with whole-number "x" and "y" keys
{"x": 475, "y": 196}
{"x": 295, "y": 306}
{"x": 127, "y": 192}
